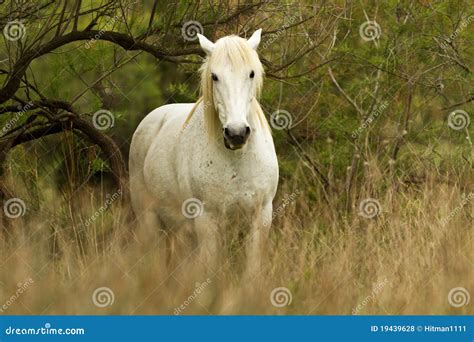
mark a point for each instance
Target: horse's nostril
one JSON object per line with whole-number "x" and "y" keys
{"x": 237, "y": 136}
{"x": 247, "y": 131}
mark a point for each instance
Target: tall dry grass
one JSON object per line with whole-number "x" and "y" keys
{"x": 331, "y": 259}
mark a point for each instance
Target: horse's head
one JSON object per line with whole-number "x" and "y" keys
{"x": 231, "y": 81}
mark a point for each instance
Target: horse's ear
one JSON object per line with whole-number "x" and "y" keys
{"x": 255, "y": 39}
{"x": 206, "y": 44}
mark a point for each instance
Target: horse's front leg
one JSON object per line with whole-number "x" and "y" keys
{"x": 257, "y": 241}
{"x": 207, "y": 231}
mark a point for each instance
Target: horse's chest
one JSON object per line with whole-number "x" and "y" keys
{"x": 226, "y": 184}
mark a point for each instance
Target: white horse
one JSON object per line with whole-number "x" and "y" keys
{"x": 207, "y": 162}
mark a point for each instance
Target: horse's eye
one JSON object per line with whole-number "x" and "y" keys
{"x": 214, "y": 77}
{"x": 252, "y": 74}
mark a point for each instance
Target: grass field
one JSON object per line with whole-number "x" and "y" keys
{"x": 325, "y": 258}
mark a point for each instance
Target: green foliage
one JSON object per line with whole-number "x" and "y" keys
{"x": 405, "y": 67}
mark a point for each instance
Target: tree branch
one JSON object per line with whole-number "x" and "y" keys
{"x": 121, "y": 39}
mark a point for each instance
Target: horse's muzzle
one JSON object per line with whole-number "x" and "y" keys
{"x": 235, "y": 139}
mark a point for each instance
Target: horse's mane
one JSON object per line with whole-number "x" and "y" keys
{"x": 239, "y": 53}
